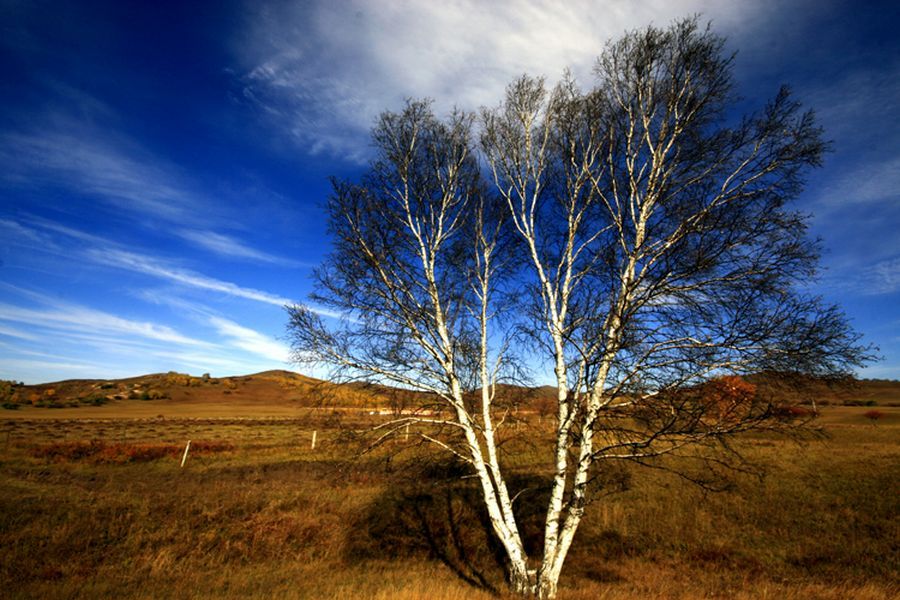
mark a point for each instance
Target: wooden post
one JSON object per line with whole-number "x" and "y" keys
{"x": 313, "y": 445}
{"x": 184, "y": 458}
{"x": 407, "y": 433}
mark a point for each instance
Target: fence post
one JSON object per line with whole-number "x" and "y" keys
{"x": 184, "y": 458}
{"x": 313, "y": 445}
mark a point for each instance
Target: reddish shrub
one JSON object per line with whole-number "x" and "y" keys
{"x": 789, "y": 413}
{"x": 729, "y": 396}
{"x": 873, "y": 415}
{"x": 203, "y": 447}
{"x": 68, "y": 450}
{"x": 120, "y": 453}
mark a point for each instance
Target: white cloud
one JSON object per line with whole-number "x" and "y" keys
{"x": 151, "y": 266}
{"x": 250, "y": 340}
{"x": 97, "y": 164}
{"x": 37, "y": 371}
{"x": 325, "y": 70}
{"x": 880, "y": 277}
{"x": 232, "y": 248}
{"x": 870, "y": 183}
{"x": 14, "y": 232}
{"x": 858, "y": 104}
{"x": 104, "y": 252}
{"x": 883, "y": 277}
{"x": 17, "y": 333}
{"x": 72, "y": 317}
{"x": 93, "y": 343}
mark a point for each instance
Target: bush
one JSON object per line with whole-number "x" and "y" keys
{"x": 873, "y": 415}
{"x": 7, "y": 390}
{"x": 789, "y": 413}
{"x": 95, "y": 400}
{"x": 10, "y": 406}
{"x": 120, "y": 453}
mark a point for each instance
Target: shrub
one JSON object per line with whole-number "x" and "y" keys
{"x": 96, "y": 400}
{"x": 729, "y": 396}
{"x": 873, "y": 415}
{"x": 179, "y": 379}
{"x": 10, "y": 406}
{"x": 789, "y": 413}
{"x": 120, "y": 453}
{"x": 7, "y": 389}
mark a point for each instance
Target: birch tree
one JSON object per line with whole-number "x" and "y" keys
{"x": 648, "y": 235}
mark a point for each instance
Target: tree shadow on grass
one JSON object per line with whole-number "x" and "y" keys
{"x": 440, "y": 515}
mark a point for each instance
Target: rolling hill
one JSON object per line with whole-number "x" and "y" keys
{"x": 284, "y": 393}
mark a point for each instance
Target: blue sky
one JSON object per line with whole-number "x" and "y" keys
{"x": 163, "y": 164}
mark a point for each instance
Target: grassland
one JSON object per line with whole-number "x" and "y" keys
{"x": 257, "y": 513}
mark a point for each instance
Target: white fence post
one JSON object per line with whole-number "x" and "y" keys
{"x": 184, "y": 458}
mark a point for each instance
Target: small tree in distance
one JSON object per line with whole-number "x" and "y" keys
{"x": 632, "y": 237}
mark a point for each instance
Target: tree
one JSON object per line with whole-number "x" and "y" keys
{"x": 645, "y": 237}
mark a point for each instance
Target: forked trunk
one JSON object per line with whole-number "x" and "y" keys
{"x": 530, "y": 585}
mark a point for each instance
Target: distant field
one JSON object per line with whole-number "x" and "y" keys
{"x": 96, "y": 506}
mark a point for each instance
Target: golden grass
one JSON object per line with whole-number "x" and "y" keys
{"x": 271, "y": 518}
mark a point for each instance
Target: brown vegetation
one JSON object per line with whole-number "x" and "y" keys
{"x": 96, "y": 451}
{"x": 258, "y": 514}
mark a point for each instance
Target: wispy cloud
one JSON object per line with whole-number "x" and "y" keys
{"x": 94, "y": 343}
{"x": 325, "y": 70}
{"x": 859, "y": 102}
{"x": 869, "y": 183}
{"x": 33, "y": 371}
{"x": 99, "y": 165}
{"x": 251, "y": 340}
{"x": 231, "y": 247}
{"x": 880, "y": 277}
{"x": 14, "y": 232}
{"x": 236, "y": 335}
{"x": 157, "y": 268}
{"x": 17, "y": 333}
{"x": 73, "y": 317}
{"x": 883, "y": 277}
{"x": 107, "y": 253}
{"x": 151, "y": 266}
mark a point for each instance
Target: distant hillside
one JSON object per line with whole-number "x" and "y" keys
{"x": 289, "y": 390}
{"x": 849, "y": 392}
{"x": 265, "y": 389}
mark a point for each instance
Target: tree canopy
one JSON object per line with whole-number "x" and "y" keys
{"x": 636, "y": 238}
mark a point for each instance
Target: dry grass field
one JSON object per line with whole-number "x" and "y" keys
{"x": 94, "y": 504}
